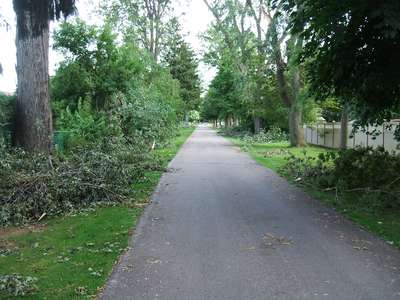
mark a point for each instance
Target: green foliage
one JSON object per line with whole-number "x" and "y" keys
{"x": 96, "y": 68}
{"x": 6, "y": 116}
{"x": 183, "y": 66}
{"x": 121, "y": 90}
{"x": 151, "y": 121}
{"x": 224, "y": 95}
{"x": 353, "y": 52}
{"x": 273, "y": 135}
{"x": 6, "y": 108}
{"x": 17, "y": 285}
{"x": 112, "y": 105}
{"x": 84, "y": 126}
{"x": 331, "y": 110}
{"x": 147, "y": 24}
{"x": 194, "y": 116}
{"x": 352, "y": 171}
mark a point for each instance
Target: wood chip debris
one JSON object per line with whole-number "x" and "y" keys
{"x": 271, "y": 241}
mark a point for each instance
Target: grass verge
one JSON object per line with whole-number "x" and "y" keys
{"x": 145, "y": 187}
{"x": 72, "y": 256}
{"x": 384, "y": 224}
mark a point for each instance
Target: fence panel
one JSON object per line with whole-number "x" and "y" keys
{"x": 328, "y": 135}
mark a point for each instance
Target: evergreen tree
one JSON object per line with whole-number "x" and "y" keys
{"x": 183, "y": 66}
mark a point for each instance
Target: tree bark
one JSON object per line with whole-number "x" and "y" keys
{"x": 295, "y": 117}
{"x": 257, "y": 125}
{"x": 33, "y": 119}
{"x": 296, "y": 132}
{"x": 290, "y": 99}
{"x": 344, "y": 128}
{"x": 186, "y": 119}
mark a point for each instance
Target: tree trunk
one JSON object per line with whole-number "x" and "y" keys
{"x": 257, "y": 125}
{"x": 237, "y": 122}
{"x": 186, "y": 119}
{"x": 344, "y": 128}
{"x": 296, "y": 132}
{"x": 33, "y": 119}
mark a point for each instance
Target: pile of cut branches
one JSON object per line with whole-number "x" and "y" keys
{"x": 35, "y": 185}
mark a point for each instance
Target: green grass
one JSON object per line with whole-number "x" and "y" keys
{"x": 384, "y": 224}
{"x": 78, "y": 252}
{"x": 273, "y": 155}
{"x": 145, "y": 187}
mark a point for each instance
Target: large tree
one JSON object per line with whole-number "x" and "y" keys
{"x": 231, "y": 34}
{"x": 33, "y": 120}
{"x": 288, "y": 73}
{"x": 146, "y": 22}
{"x": 183, "y": 66}
{"x": 257, "y": 34}
{"x": 354, "y": 52}
{"x": 223, "y": 99}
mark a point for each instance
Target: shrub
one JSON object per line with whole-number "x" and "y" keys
{"x": 371, "y": 173}
{"x": 235, "y": 131}
{"x": 121, "y": 90}
{"x": 194, "y": 116}
{"x": 273, "y": 135}
{"x": 83, "y": 126}
{"x": 6, "y": 115}
{"x": 142, "y": 117}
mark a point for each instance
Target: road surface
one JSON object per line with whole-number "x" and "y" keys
{"x": 220, "y": 226}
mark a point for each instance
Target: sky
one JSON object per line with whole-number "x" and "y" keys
{"x": 194, "y": 19}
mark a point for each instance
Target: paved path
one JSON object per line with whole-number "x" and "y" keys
{"x": 220, "y": 226}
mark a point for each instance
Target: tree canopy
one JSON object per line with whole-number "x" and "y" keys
{"x": 353, "y": 52}
{"x": 183, "y": 65}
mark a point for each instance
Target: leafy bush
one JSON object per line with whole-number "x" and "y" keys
{"x": 234, "y": 131}
{"x": 149, "y": 121}
{"x": 17, "y": 285}
{"x": 372, "y": 173}
{"x": 84, "y": 126}
{"x": 273, "y": 135}
{"x": 121, "y": 90}
{"x": 33, "y": 185}
{"x": 194, "y": 116}
{"x": 6, "y": 115}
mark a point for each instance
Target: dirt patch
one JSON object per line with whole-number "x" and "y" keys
{"x": 17, "y": 231}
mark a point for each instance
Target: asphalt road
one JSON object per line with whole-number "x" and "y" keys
{"x": 220, "y": 226}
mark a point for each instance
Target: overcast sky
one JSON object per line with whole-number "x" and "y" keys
{"x": 195, "y": 20}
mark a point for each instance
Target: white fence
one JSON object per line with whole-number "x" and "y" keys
{"x": 328, "y": 135}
